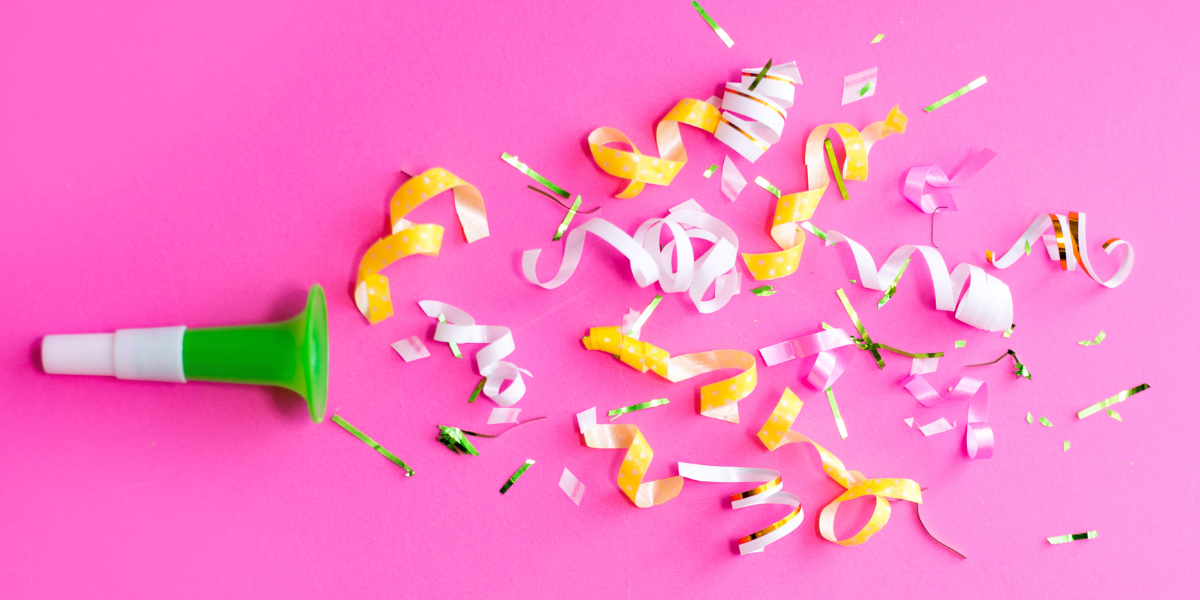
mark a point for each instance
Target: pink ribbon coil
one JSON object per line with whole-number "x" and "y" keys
{"x": 834, "y": 349}
{"x": 980, "y": 439}
{"x": 933, "y": 176}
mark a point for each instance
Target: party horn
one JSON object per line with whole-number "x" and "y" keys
{"x": 292, "y": 354}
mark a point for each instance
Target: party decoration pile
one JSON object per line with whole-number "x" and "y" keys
{"x": 644, "y": 494}
{"x": 770, "y": 492}
{"x": 793, "y": 208}
{"x": 458, "y": 327}
{"x": 650, "y": 261}
{"x": 1068, "y": 245}
{"x": 981, "y": 440}
{"x": 372, "y": 292}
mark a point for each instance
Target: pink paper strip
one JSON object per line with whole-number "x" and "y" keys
{"x": 852, "y": 86}
{"x": 939, "y": 426}
{"x": 921, "y": 366}
{"x": 980, "y": 438}
{"x": 732, "y": 181}
{"x": 503, "y": 415}
{"x": 571, "y": 486}
{"x": 834, "y": 349}
{"x": 933, "y": 176}
{"x": 411, "y": 349}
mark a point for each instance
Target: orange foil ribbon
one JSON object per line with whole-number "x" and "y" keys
{"x": 643, "y": 494}
{"x": 777, "y": 432}
{"x": 717, "y": 400}
{"x": 372, "y": 293}
{"x": 790, "y": 209}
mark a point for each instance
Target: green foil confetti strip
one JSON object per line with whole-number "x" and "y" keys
{"x": 1029, "y": 418}
{"x": 761, "y": 73}
{"x": 865, "y": 343}
{"x": 837, "y": 415}
{"x": 865, "y": 89}
{"x": 1095, "y": 342}
{"x": 827, "y": 326}
{"x": 763, "y": 291}
{"x": 478, "y": 388}
{"x": 1008, "y": 332}
{"x": 1062, "y": 539}
{"x": 891, "y": 291}
{"x": 878, "y": 38}
{"x": 1114, "y": 414}
{"x": 616, "y": 412}
{"x": 453, "y": 346}
{"x": 1066, "y": 446}
{"x": 566, "y": 222}
{"x": 522, "y": 167}
{"x": 517, "y": 475}
{"x": 708, "y": 173}
{"x": 716, "y": 28}
{"x": 1027, "y": 248}
{"x": 960, "y": 343}
{"x": 766, "y": 185}
{"x": 1018, "y": 369}
{"x": 1107, "y": 402}
{"x": 837, "y": 170}
{"x": 645, "y": 316}
{"x": 960, "y": 91}
{"x": 1045, "y": 422}
{"x": 813, "y": 229}
{"x": 853, "y": 281}
{"x": 453, "y": 438}
{"x": 372, "y": 443}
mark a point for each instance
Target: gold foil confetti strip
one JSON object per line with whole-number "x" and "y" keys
{"x": 1067, "y": 245}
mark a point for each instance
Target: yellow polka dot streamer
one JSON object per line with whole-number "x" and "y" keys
{"x": 791, "y": 209}
{"x": 630, "y": 478}
{"x": 372, "y": 293}
{"x": 717, "y": 400}
{"x": 777, "y": 432}
{"x": 640, "y": 169}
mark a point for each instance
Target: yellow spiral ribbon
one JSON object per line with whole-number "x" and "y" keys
{"x": 640, "y": 169}
{"x": 717, "y": 400}
{"x": 644, "y": 494}
{"x": 372, "y": 293}
{"x": 790, "y": 209}
{"x": 777, "y": 432}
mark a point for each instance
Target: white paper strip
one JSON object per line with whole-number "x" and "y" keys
{"x": 771, "y": 495}
{"x": 859, "y": 85}
{"x": 411, "y": 349}
{"x": 732, "y": 181}
{"x": 939, "y": 426}
{"x": 572, "y": 486}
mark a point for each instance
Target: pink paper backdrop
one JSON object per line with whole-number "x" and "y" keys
{"x": 202, "y": 163}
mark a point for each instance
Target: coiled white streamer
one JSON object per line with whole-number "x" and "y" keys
{"x": 460, "y": 328}
{"x": 769, "y": 493}
{"x": 763, "y": 110}
{"x": 987, "y": 303}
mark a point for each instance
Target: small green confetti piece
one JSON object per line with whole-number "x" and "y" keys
{"x": 1062, "y": 539}
{"x": 765, "y": 290}
{"x": 616, "y": 412}
{"x": 865, "y": 89}
{"x": 453, "y": 438}
{"x": 453, "y": 346}
{"x": 827, "y": 326}
{"x": 766, "y": 185}
{"x": 708, "y": 173}
{"x": 1107, "y": 402}
{"x": 1094, "y": 342}
{"x": 955, "y": 94}
{"x": 1066, "y": 446}
{"x": 517, "y": 475}
{"x": 520, "y": 166}
{"x": 891, "y": 291}
{"x": 1045, "y": 422}
{"x": 1008, "y": 332}
{"x": 761, "y": 73}
{"x": 1027, "y": 248}
{"x": 566, "y": 222}
{"x": 837, "y": 415}
{"x": 878, "y": 38}
{"x": 1114, "y": 414}
{"x": 372, "y": 443}
{"x": 960, "y": 343}
{"x": 716, "y": 28}
{"x": 478, "y": 388}
{"x": 645, "y": 316}
{"x": 837, "y": 170}
{"x": 813, "y": 229}
{"x": 1029, "y": 418}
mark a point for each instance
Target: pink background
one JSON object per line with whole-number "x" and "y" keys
{"x": 202, "y": 163}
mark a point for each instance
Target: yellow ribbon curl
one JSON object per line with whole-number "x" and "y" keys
{"x": 637, "y": 460}
{"x": 372, "y": 294}
{"x": 776, "y": 432}
{"x": 717, "y": 400}
{"x": 640, "y": 169}
{"x": 793, "y": 208}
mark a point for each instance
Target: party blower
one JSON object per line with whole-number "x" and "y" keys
{"x": 292, "y": 354}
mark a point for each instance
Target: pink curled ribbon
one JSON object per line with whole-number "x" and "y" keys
{"x": 941, "y": 197}
{"x": 980, "y": 439}
{"x": 834, "y": 349}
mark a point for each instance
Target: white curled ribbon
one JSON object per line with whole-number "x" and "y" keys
{"x": 460, "y": 328}
{"x": 1067, "y": 245}
{"x": 650, "y": 261}
{"x": 986, "y": 304}
{"x": 770, "y": 492}
{"x": 762, "y": 110}
{"x": 980, "y": 438}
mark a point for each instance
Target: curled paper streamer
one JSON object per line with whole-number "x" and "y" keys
{"x": 411, "y": 349}
{"x": 754, "y": 109}
{"x": 986, "y": 303}
{"x": 372, "y": 293}
{"x": 981, "y": 440}
{"x": 1062, "y": 539}
{"x": 644, "y": 494}
{"x": 650, "y": 261}
{"x": 1068, "y": 245}
{"x": 732, "y": 182}
{"x": 571, "y": 486}
{"x": 1107, "y": 402}
{"x": 366, "y": 439}
{"x": 717, "y": 400}
{"x": 770, "y": 492}
{"x": 777, "y": 432}
{"x": 793, "y": 208}
{"x": 933, "y": 176}
{"x": 460, "y": 328}
{"x": 859, "y": 85}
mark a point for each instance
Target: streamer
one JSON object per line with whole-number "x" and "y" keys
{"x": 650, "y": 261}
{"x": 981, "y": 441}
{"x": 372, "y": 293}
{"x": 986, "y": 304}
{"x": 770, "y": 492}
{"x": 717, "y": 400}
{"x": 1068, "y": 245}
{"x": 941, "y": 197}
{"x": 753, "y": 116}
{"x": 644, "y": 494}
{"x": 459, "y": 327}
{"x": 777, "y": 432}
{"x": 790, "y": 209}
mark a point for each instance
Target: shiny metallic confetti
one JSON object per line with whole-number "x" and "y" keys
{"x": 708, "y": 173}
{"x": 1107, "y": 402}
{"x": 1062, "y": 539}
{"x": 520, "y": 166}
{"x": 765, "y": 290}
{"x": 616, "y": 412}
{"x": 813, "y": 229}
{"x": 1066, "y": 446}
{"x": 517, "y": 475}
{"x": 1045, "y": 422}
{"x": 566, "y": 222}
{"x": 1094, "y": 342}
{"x": 372, "y": 443}
{"x": 766, "y": 185}
{"x": 1029, "y": 418}
{"x": 864, "y": 341}
{"x": 761, "y": 73}
{"x": 837, "y": 170}
{"x": 636, "y": 330}
{"x": 866, "y": 88}
{"x": 837, "y": 415}
{"x": 879, "y": 38}
{"x": 456, "y": 440}
{"x": 1114, "y": 414}
{"x": 716, "y": 28}
{"x": 478, "y": 388}
{"x": 1018, "y": 369}
{"x": 960, "y": 343}
{"x": 453, "y": 346}
{"x": 956, "y": 94}
{"x": 891, "y": 291}
{"x": 1008, "y": 332}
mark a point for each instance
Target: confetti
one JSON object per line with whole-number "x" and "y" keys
{"x": 764, "y": 291}
{"x": 878, "y": 38}
{"x": 1107, "y": 402}
{"x": 1067, "y": 245}
{"x": 517, "y": 475}
{"x": 411, "y": 349}
{"x": 456, "y": 440}
{"x": 960, "y": 343}
{"x": 766, "y": 185}
{"x": 891, "y": 291}
{"x": 1029, "y": 418}
{"x": 1066, "y": 446}
{"x": 453, "y": 346}
{"x": 732, "y": 182}
{"x": 460, "y": 327}
{"x": 716, "y": 28}
{"x": 522, "y": 167}
{"x": 837, "y": 415}
{"x": 1008, "y": 332}
{"x": 501, "y": 414}
{"x": 566, "y": 222}
{"x": 941, "y": 198}
{"x": 939, "y": 426}
{"x": 643, "y": 494}
{"x": 1045, "y": 422}
{"x": 1094, "y": 342}
{"x": 761, "y": 73}
{"x": 859, "y": 85}
{"x": 372, "y": 443}
{"x": 909, "y": 421}
{"x": 708, "y": 173}
{"x": 635, "y": 331}
{"x": 837, "y": 171}
{"x": 770, "y": 492}
{"x": 475, "y": 392}
{"x": 1018, "y": 369}
{"x": 1062, "y": 539}
{"x": 571, "y": 486}
{"x": 956, "y": 94}
{"x": 616, "y": 412}
{"x": 1114, "y": 414}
